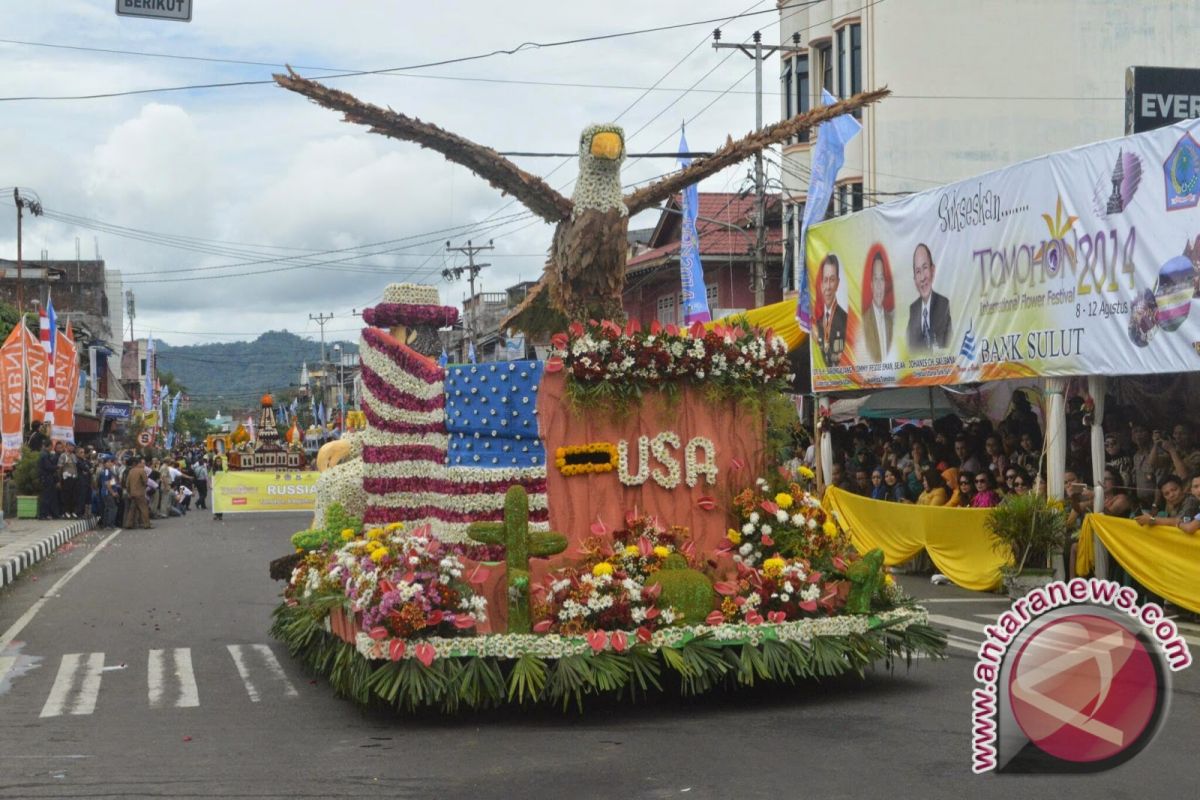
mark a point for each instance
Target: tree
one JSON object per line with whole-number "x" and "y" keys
{"x": 191, "y": 422}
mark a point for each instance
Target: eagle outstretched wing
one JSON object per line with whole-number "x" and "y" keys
{"x": 733, "y": 152}
{"x": 534, "y": 193}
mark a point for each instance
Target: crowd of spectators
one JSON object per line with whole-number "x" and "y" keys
{"x": 1151, "y": 469}
{"x": 128, "y": 488}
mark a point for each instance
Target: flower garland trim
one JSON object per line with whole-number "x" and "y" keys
{"x": 407, "y": 359}
{"x": 552, "y": 645}
{"x": 387, "y": 315}
{"x": 585, "y": 459}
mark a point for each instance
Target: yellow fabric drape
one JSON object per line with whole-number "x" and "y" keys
{"x": 779, "y": 317}
{"x": 1163, "y": 559}
{"x": 955, "y": 538}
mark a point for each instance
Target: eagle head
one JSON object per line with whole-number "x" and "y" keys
{"x": 601, "y": 151}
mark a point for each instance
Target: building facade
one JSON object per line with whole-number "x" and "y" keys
{"x": 976, "y": 86}
{"x": 724, "y": 228}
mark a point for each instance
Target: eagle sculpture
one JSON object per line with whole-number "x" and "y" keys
{"x": 585, "y": 273}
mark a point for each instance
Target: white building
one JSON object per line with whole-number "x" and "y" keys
{"x": 977, "y": 84}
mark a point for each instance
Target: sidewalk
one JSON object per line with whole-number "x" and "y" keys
{"x": 24, "y": 542}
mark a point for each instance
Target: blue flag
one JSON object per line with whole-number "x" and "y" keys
{"x": 53, "y": 318}
{"x": 693, "y": 297}
{"x": 443, "y": 359}
{"x": 828, "y": 155}
{"x": 321, "y": 414}
{"x": 471, "y": 353}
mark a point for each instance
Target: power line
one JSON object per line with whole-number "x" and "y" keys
{"x": 524, "y": 46}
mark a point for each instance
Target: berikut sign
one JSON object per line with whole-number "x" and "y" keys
{"x": 179, "y": 10}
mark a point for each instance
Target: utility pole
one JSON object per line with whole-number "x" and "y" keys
{"x": 35, "y": 208}
{"x": 758, "y": 52}
{"x": 321, "y": 319}
{"x": 129, "y": 309}
{"x": 472, "y": 269}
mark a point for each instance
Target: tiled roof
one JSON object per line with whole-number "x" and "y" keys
{"x": 716, "y": 241}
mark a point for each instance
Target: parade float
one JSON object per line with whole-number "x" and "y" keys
{"x": 601, "y": 523}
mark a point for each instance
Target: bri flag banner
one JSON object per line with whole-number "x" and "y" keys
{"x": 12, "y": 401}
{"x": 38, "y": 370}
{"x": 247, "y": 492}
{"x": 1084, "y": 262}
{"x": 694, "y": 295}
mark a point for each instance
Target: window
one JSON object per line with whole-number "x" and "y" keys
{"x": 785, "y": 80}
{"x": 712, "y": 295}
{"x": 666, "y": 311}
{"x": 825, "y": 65}
{"x": 856, "y": 63}
{"x": 856, "y": 197}
{"x": 841, "y": 63}
{"x": 803, "y": 91}
{"x": 849, "y": 198}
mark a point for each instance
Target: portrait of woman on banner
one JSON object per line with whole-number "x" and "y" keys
{"x": 878, "y": 305}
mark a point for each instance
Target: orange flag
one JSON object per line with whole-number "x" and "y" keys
{"x": 66, "y": 385}
{"x": 38, "y": 371}
{"x": 12, "y": 397}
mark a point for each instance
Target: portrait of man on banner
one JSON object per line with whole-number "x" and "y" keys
{"x": 929, "y": 314}
{"x": 831, "y": 318}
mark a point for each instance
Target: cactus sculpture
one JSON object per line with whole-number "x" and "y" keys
{"x": 686, "y": 590}
{"x": 520, "y": 544}
{"x": 867, "y": 578}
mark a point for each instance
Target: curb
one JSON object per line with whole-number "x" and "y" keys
{"x": 12, "y": 567}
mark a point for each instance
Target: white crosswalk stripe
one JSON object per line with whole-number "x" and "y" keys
{"x": 182, "y": 679}
{"x": 76, "y": 686}
{"x": 243, "y": 657}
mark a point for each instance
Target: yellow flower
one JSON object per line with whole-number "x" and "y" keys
{"x": 603, "y": 568}
{"x": 661, "y": 551}
{"x": 889, "y": 580}
{"x": 807, "y": 473}
{"x": 773, "y": 566}
{"x": 347, "y": 534}
{"x": 784, "y": 500}
{"x": 394, "y": 526}
{"x": 375, "y": 534}
{"x": 830, "y": 529}
{"x": 733, "y": 536}
{"x": 379, "y": 555}
{"x": 632, "y": 550}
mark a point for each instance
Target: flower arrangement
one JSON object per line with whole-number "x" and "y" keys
{"x": 401, "y": 584}
{"x": 607, "y": 364}
{"x": 586, "y": 459}
{"x": 387, "y": 315}
{"x": 782, "y": 590}
{"x": 782, "y": 517}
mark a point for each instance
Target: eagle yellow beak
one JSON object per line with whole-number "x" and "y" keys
{"x": 606, "y": 144}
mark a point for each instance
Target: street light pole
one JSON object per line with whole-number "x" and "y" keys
{"x": 35, "y": 208}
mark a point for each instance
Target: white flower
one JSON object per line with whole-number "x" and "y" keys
{"x": 748, "y": 528}
{"x": 812, "y": 524}
{"x": 781, "y": 516}
{"x": 746, "y": 549}
{"x": 766, "y": 529}
{"x": 754, "y": 517}
{"x": 798, "y": 520}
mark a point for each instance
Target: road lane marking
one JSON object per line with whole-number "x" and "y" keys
{"x": 239, "y": 653}
{"x": 71, "y": 667}
{"x": 183, "y": 675}
{"x": 6, "y": 663}
{"x": 276, "y": 669}
{"x": 960, "y": 643}
{"x": 15, "y": 629}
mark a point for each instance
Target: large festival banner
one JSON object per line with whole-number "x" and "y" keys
{"x": 39, "y": 375}
{"x": 1084, "y": 262}
{"x": 66, "y": 387}
{"x": 12, "y": 399}
{"x": 241, "y": 492}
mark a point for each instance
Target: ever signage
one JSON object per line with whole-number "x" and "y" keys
{"x": 1159, "y": 96}
{"x": 179, "y": 10}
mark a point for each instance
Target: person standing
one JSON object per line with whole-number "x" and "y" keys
{"x": 108, "y": 488}
{"x": 878, "y": 305}
{"x": 139, "y": 516}
{"x": 47, "y": 469}
{"x": 201, "y": 473}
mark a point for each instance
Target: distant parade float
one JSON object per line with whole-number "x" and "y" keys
{"x": 603, "y": 522}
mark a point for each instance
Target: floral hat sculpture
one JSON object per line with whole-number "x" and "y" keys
{"x": 412, "y": 314}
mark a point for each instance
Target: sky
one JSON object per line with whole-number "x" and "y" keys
{"x": 204, "y": 198}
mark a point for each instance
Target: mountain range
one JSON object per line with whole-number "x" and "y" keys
{"x": 233, "y": 375}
